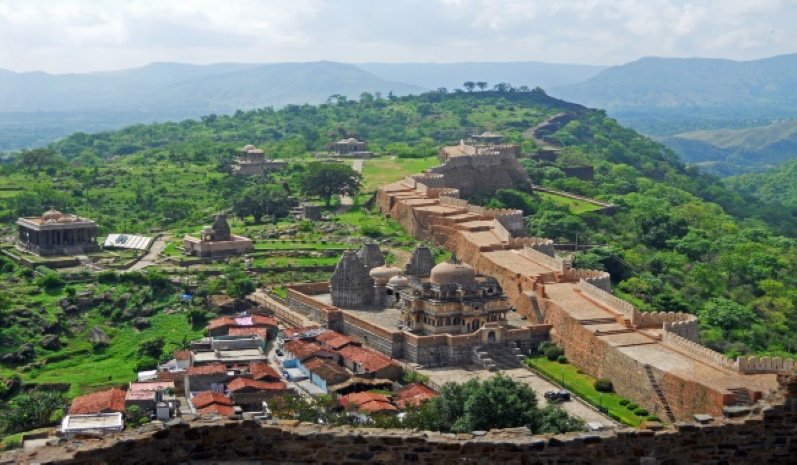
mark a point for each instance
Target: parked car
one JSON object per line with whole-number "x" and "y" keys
{"x": 557, "y": 396}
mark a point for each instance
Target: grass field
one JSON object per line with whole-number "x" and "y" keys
{"x": 576, "y": 206}
{"x": 381, "y": 171}
{"x": 279, "y": 245}
{"x": 582, "y": 385}
{"x": 294, "y": 261}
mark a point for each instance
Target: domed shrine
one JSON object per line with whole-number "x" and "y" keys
{"x": 253, "y": 160}
{"x": 56, "y": 233}
{"x": 217, "y": 241}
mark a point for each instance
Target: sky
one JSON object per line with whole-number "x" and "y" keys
{"x": 88, "y": 35}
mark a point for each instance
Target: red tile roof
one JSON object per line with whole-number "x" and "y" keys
{"x": 223, "y": 410}
{"x": 368, "y": 359}
{"x": 327, "y": 370}
{"x": 414, "y": 394}
{"x": 260, "y": 370}
{"x": 110, "y": 400}
{"x": 212, "y": 369}
{"x": 302, "y": 349}
{"x": 243, "y": 383}
{"x": 182, "y": 355}
{"x": 334, "y": 339}
{"x": 367, "y": 402}
{"x": 292, "y": 332}
{"x": 221, "y": 322}
{"x": 205, "y": 398}
{"x": 262, "y": 333}
{"x": 262, "y": 320}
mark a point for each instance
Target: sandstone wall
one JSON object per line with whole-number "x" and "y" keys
{"x": 770, "y": 437}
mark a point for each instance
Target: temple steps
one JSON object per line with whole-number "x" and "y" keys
{"x": 659, "y": 393}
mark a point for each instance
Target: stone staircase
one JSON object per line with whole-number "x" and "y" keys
{"x": 535, "y": 307}
{"x": 659, "y": 394}
{"x": 498, "y": 357}
{"x": 741, "y": 395}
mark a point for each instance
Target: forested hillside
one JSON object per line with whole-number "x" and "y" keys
{"x": 680, "y": 241}
{"x": 777, "y": 186}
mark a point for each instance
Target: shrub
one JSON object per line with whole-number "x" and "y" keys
{"x": 107, "y": 277}
{"x": 553, "y": 352}
{"x": 561, "y": 359}
{"x": 623, "y": 401}
{"x": 370, "y": 230}
{"x": 50, "y": 281}
{"x": 603, "y": 385}
{"x": 640, "y": 412}
{"x": 631, "y": 406}
{"x": 544, "y": 346}
{"x": 653, "y": 418}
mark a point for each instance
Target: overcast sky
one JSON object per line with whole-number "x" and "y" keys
{"x": 86, "y": 35}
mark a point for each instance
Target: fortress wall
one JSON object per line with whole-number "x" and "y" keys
{"x": 698, "y": 351}
{"x": 600, "y": 295}
{"x": 306, "y": 305}
{"x": 453, "y": 201}
{"x": 766, "y": 365}
{"x": 557, "y": 264}
{"x": 390, "y": 343}
{"x": 597, "y": 278}
{"x": 769, "y": 437}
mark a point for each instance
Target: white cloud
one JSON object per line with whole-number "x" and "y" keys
{"x": 81, "y": 35}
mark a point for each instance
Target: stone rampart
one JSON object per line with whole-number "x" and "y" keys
{"x": 453, "y": 201}
{"x": 767, "y": 437}
{"x": 557, "y": 264}
{"x": 597, "y": 278}
{"x": 626, "y": 308}
{"x": 695, "y": 350}
{"x": 766, "y": 365}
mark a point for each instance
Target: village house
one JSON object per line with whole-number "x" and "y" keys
{"x": 212, "y": 403}
{"x": 325, "y": 373}
{"x": 368, "y": 363}
{"x": 147, "y": 395}
{"x": 250, "y": 394}
{"x": 362, "y": 405}
{"x": 333, "y": 340}
{"x": 244, "y": 325}
{"x": 414, "y": 394}
{"x": 298, "y": 351}
{"x": 205, "y": 378}
{"x": 107, "y": 401}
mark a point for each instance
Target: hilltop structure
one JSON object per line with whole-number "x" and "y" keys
{"x": 253, "y": 160}
{"x": 486, "y": 143}
{"x": 350, "y": 148}
{"x": 655, "y": 359}
{"x": 217, "y": 241}
{"x": 55, "y": 233}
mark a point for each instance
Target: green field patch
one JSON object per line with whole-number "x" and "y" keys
{"x": 288, "y": 245}
{"x": 575, "y": 206}
{"x": 380, "y": 171}
{"x": 582, "y": 385}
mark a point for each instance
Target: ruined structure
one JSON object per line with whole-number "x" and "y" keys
{"x": 253, "y": 160}
{"x": 655, "y": 359}
{"x": 55, "y": 233}
{"x": 350, "y": 285}
{"x": 217, "y": 241}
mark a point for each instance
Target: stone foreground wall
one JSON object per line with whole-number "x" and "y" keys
{"x": 768, "y": 438}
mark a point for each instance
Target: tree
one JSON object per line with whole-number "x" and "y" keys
{"x": 259, "y": 201}
{"x": 481, "y": 85}
{"x": 41, "y": 159}
{"x": 240, "y": 286}
{"x": 152, "y": 348}
{"x": 326, "y": 180}
{"x": 29, "y": 411}
{"x": 726, "y": 314}
{"x": 469, "y": 85}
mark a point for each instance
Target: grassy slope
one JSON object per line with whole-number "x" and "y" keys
{"x": 380, "y": 171}
{"x": 574, "y": 205}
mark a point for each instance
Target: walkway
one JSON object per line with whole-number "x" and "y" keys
{"x": 357, "y": 165}
{"x": 152, "y": 255}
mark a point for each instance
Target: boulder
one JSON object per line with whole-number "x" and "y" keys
{"x": 98, "y": 336}
{"x": 50, "y": 342}
{"x": 141, "y": 323}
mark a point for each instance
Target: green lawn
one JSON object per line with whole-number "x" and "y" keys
{"x": 294, "y": 261}
{"x": 380, "y": 171}
{"x": 280, "y": 245}
{"x": 576, "y": 206}
{"x": 582, "y": 385}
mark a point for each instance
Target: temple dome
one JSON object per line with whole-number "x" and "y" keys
{"x": 452, "y": 273}
{"x": 382, "y": 274}
{"x": 398, "y": 281}
{"x": 52, "y": 214}
{"x": 248, "y": 147}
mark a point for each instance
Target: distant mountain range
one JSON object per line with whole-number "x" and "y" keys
{"x": 734, "y": 151}
{"x": 670, "y": 95}
{"x": 656, "y": 96}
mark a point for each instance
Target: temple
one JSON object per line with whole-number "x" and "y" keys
{"x": 55, "y": 233}
{"x": 217, "y": 241}
{"x": 253, "y": 160}
{"x": 350, "y": 147}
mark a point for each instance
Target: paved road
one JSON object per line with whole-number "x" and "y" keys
{"x": 575, "y": 407}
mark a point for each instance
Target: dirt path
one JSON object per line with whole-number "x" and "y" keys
{"x": 345, "y": 200}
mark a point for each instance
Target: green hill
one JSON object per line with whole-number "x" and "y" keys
{"x": 733, "y": 151}
{"x": 679, "y": 241}
{"x": 777, "y": 186}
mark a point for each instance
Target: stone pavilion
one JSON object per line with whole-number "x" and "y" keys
{"x": 253, "y": 160}
{"x": 55, "y": 233}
